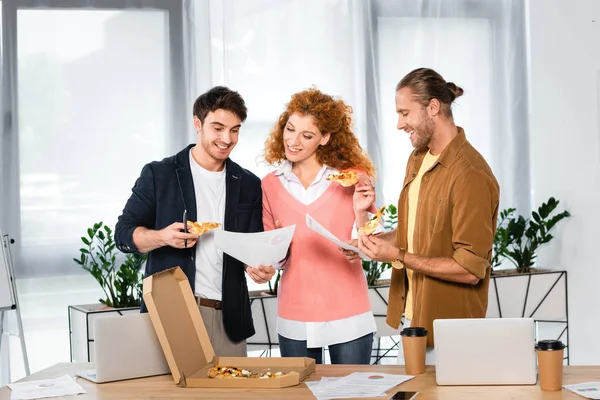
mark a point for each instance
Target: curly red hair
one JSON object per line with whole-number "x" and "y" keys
{"x": 331, "y": 116}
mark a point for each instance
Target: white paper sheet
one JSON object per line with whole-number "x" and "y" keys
{"x": 315, "y": 226}
{"x": 254, "y": 249}
{"x": 590, "y": 390}
{"x": 319, "y": 386}
{"x": 358, "y": 384}
{"x": 63, "y": 386}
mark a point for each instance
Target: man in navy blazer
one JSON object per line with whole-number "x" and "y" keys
{"x": 202, "y": 184}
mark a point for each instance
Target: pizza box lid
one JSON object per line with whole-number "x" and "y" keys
{"x": 176, "y": 319}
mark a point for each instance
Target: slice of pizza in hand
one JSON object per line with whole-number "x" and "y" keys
{"x": 345, "y": 178}
{"x": 371, "y": 225}
{"x": 198, "y": 228}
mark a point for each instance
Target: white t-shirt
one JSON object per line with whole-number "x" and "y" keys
{"x": 210, "y": 205}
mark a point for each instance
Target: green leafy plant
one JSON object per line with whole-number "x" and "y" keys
{"x": 518, "y": 239}
{"x": 122, "y": 284}
{"x": 374, "y": 269}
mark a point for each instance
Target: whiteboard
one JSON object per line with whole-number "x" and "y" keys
{"x": 7, "y": 297}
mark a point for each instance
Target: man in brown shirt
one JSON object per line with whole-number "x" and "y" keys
{"x": 447, "y": 213}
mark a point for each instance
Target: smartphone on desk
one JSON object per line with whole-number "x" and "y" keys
{"x": 404, "y": 396}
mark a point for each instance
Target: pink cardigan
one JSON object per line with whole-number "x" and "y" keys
{"x": 318, "y": 284}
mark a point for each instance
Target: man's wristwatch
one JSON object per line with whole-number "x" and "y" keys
{"x": 398, "y": 263}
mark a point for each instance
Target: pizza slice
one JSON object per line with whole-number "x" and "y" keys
{"x": 269, "y": 375}
{"x": 198, "y": 228}
{"x": 345, "y": 178}
{"x": 228, "y": 372}
{"x": 371, "y": 225}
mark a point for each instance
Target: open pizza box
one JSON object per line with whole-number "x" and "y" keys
{"x": 182, "y": 335}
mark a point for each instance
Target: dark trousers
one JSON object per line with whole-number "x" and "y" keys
{"x": 357, "y": 351}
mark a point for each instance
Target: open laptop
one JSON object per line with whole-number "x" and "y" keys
{"x": 485, "y": 351}
{"x": 126, "y": 347}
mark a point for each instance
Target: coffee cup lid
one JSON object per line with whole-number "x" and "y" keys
{"x": 416, "y": 331}
{"x": 550, "y": 345}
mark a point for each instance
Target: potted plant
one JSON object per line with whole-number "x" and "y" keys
{"x": 120, "y": 279}
{"x": 122, "y": 284}
{"x": 527, "y": 291}
{"x": 518, "y": 238}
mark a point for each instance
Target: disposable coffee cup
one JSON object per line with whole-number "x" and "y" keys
{"x": 414, "y": 343}
{"x": 550, "y": 355}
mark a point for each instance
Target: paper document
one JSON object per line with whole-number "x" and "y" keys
{"x": 254, "y": 249}
{"x": 63, "y": 386}
{"x": 315, "y": 226}
{"x": 590, "y": 390}
{"x": 358, "y": 384}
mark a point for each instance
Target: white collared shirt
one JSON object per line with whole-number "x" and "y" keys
{"x": 319, "y": 334}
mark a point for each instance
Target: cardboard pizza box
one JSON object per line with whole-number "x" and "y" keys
{"x": 183, "y": 337}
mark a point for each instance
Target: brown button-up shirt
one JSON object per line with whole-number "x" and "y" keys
{"x": 456, "y": 218}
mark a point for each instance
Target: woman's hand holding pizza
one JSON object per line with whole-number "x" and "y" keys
{"x": 364, "y": 193}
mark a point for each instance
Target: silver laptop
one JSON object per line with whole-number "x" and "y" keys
{"x": 485, "y": 351}
{"x": 126, "y": 347}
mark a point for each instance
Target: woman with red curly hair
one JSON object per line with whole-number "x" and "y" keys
{"x": 323, "y": 298}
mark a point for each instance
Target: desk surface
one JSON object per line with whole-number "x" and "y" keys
{"x": 162, "y": 387}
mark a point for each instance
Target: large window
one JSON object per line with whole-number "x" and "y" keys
{"x": 480, "y": 46}
{"x": 270, "y": 50}
{"x": 94, "y": 101}
{"x": 93, "y": 107}
{"x": 463, "y": 56}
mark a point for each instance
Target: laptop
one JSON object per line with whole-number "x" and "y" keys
{"x": 126, "y": 347}
{"x": 485, "y": 351}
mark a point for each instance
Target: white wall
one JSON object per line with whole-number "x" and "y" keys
{"x": 565, "y": 152}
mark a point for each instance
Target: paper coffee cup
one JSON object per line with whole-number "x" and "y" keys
{"x": 550, "y": 354}
{"x": 414, "y": 343}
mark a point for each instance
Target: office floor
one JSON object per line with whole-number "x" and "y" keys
{"x": 44, "y": 302}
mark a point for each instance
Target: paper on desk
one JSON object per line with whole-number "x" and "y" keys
{"x": 254, "y": 249}
{"x": 590, "y": 390}
{"x": 318, "y": 386}
{"x": 315, "y": 226}
{"x": 63, "y": 386}
{"x": 358, "y": 384}
{"x": 321, "y": 384}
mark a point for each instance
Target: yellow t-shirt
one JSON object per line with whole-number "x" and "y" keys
{"x": 413, "y": 201}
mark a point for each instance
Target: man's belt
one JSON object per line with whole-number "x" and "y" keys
{"x": 216, "y": 304}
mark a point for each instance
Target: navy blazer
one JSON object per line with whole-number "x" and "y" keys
{"x": 160, "y": 195}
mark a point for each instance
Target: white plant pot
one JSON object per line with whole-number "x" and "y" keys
{"x": 538, "y": 295}
{"x": 81, "y": 328}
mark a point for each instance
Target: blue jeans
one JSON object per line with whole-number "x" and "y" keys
{"x": 357, "y": 351}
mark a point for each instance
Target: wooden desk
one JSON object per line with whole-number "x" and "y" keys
{"x": 162, "y": 387}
